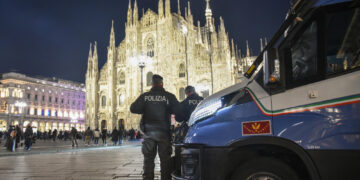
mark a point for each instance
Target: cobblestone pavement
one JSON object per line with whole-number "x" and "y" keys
{"x": 120, "y": 162}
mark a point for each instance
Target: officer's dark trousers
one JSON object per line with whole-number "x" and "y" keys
{"x": 152, "y": 145}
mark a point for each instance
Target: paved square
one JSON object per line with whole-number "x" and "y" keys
{"x": 114, "y": 163}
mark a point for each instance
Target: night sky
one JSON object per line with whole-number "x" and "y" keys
{"x": 51, "y": 37}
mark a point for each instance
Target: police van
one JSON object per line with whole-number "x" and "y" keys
{"x": 297, "y": 113}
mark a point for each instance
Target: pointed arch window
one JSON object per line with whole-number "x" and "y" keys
{"x": 149, "y": 78}
{"x": 103, "y": 101}
{"x": 182, "y": 94}
{"x": 182, "y": 70}
{"x": 150, "y": 47}
{"x": 122, "y": 78}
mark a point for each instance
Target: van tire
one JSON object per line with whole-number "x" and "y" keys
{"x": 264, "y": 167}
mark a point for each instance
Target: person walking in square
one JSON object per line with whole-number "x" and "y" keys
{"x": 54, "y": 135}
{"x": 96, "y": 136}
{"x": 104, "y": 136}
{"x": 28, "y": 137}
{"x": 74, "y": 136}
{"x": 156, "y": 107}
{"x": 115, "y": 136}
{"x": 87, "y": 136}
{"x": 121, "y": 134}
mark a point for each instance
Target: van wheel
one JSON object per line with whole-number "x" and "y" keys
{"x": 264, "y": 168}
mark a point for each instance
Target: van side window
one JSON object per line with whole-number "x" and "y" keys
{"x": 304, "y": 54}
{"x": 342, "y": 41}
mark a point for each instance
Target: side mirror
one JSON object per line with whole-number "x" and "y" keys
{"x": 271, "y": 67}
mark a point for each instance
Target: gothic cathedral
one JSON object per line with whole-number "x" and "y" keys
{"x": 163, "y": 43}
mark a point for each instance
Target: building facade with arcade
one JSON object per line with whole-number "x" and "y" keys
{"x": 46, "y": 103}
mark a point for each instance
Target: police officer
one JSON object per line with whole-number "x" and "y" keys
{"x": 189, "y": 104}
{"x": 156, "y": 107}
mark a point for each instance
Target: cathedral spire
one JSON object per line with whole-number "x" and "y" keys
{"x": 129, "y": 14}
{"x": 222, "y": 24}
{"x": 95, "y": 58}
{"x": 199, "y": 32}
{"x": 232, "y": 48}
{"x": 190, "y": 17}
{"x": 112, "y": 35}
{"x": 266, "y": 42}
{"x": 189, "y": 9}
{"x": 179, "y": 7}
{"x": 167, "y": 8}
{"x": 247, "y": 49}
{"x": 136, "y": 13}
{"x": 208, "y": 15}
{"x": 90, "y": 59}
{"x": 161, "y": 8}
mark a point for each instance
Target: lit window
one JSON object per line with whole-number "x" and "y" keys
{"x": 150, "y": 47}
{"x": 181, "y": 70}
{"x": 122, "y": 78}
{"x": 149, "y": 78}
{"x": 121, "y": 99}
{"x": 182, "y": 93}
{"x": 103, "y": 101}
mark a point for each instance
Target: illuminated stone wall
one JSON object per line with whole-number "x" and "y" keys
{"x": 163, "y": 40}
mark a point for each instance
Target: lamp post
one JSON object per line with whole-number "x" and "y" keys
{"x": 141, "y": 61}
{"x": 184, "y": 31}
{"x": 142, "y": 66}
{"x": 211, "y": 65}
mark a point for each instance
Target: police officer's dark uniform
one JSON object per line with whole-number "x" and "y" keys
{"x": 183, "y": 115}
{"x": 156, "y": 107}
{"x": 189, "y": 104}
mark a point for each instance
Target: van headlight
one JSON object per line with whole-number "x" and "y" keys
{"x": 205, "y": 110}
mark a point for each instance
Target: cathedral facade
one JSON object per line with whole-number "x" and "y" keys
{"x": 166, "y": 43}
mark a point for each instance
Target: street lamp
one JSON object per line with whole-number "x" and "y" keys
{"x": 142, "y": 66}
{"x": 184, "y": 31}
{"x": 141, "y": 61}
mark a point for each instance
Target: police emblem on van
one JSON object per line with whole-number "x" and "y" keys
{"x": 256, "y": 128}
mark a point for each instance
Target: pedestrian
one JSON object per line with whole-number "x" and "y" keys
{"x": 73, "y": 137}
{"x": 187, "y": 107}
{"x": 54, "y": 135}
{"x": 156, "y": 107}
{"x": 132, "y": 134}
{"x": 121, "y": 133}
{"x": 11, "y": 139}
{"x": 115, "y": 136}
{"x": 18, "y": 136}
{"x": 96, "y": 136}
{"x": 66, "y": 135}
{"x": 49, "y": 134}
{"x": 104, "y": 136}
{"x": 88, "y": 136}
{"x": 28, "y": 137}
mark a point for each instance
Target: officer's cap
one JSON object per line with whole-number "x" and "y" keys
{"x": 189, "y": 89}
{"x": 157, "y": 79}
